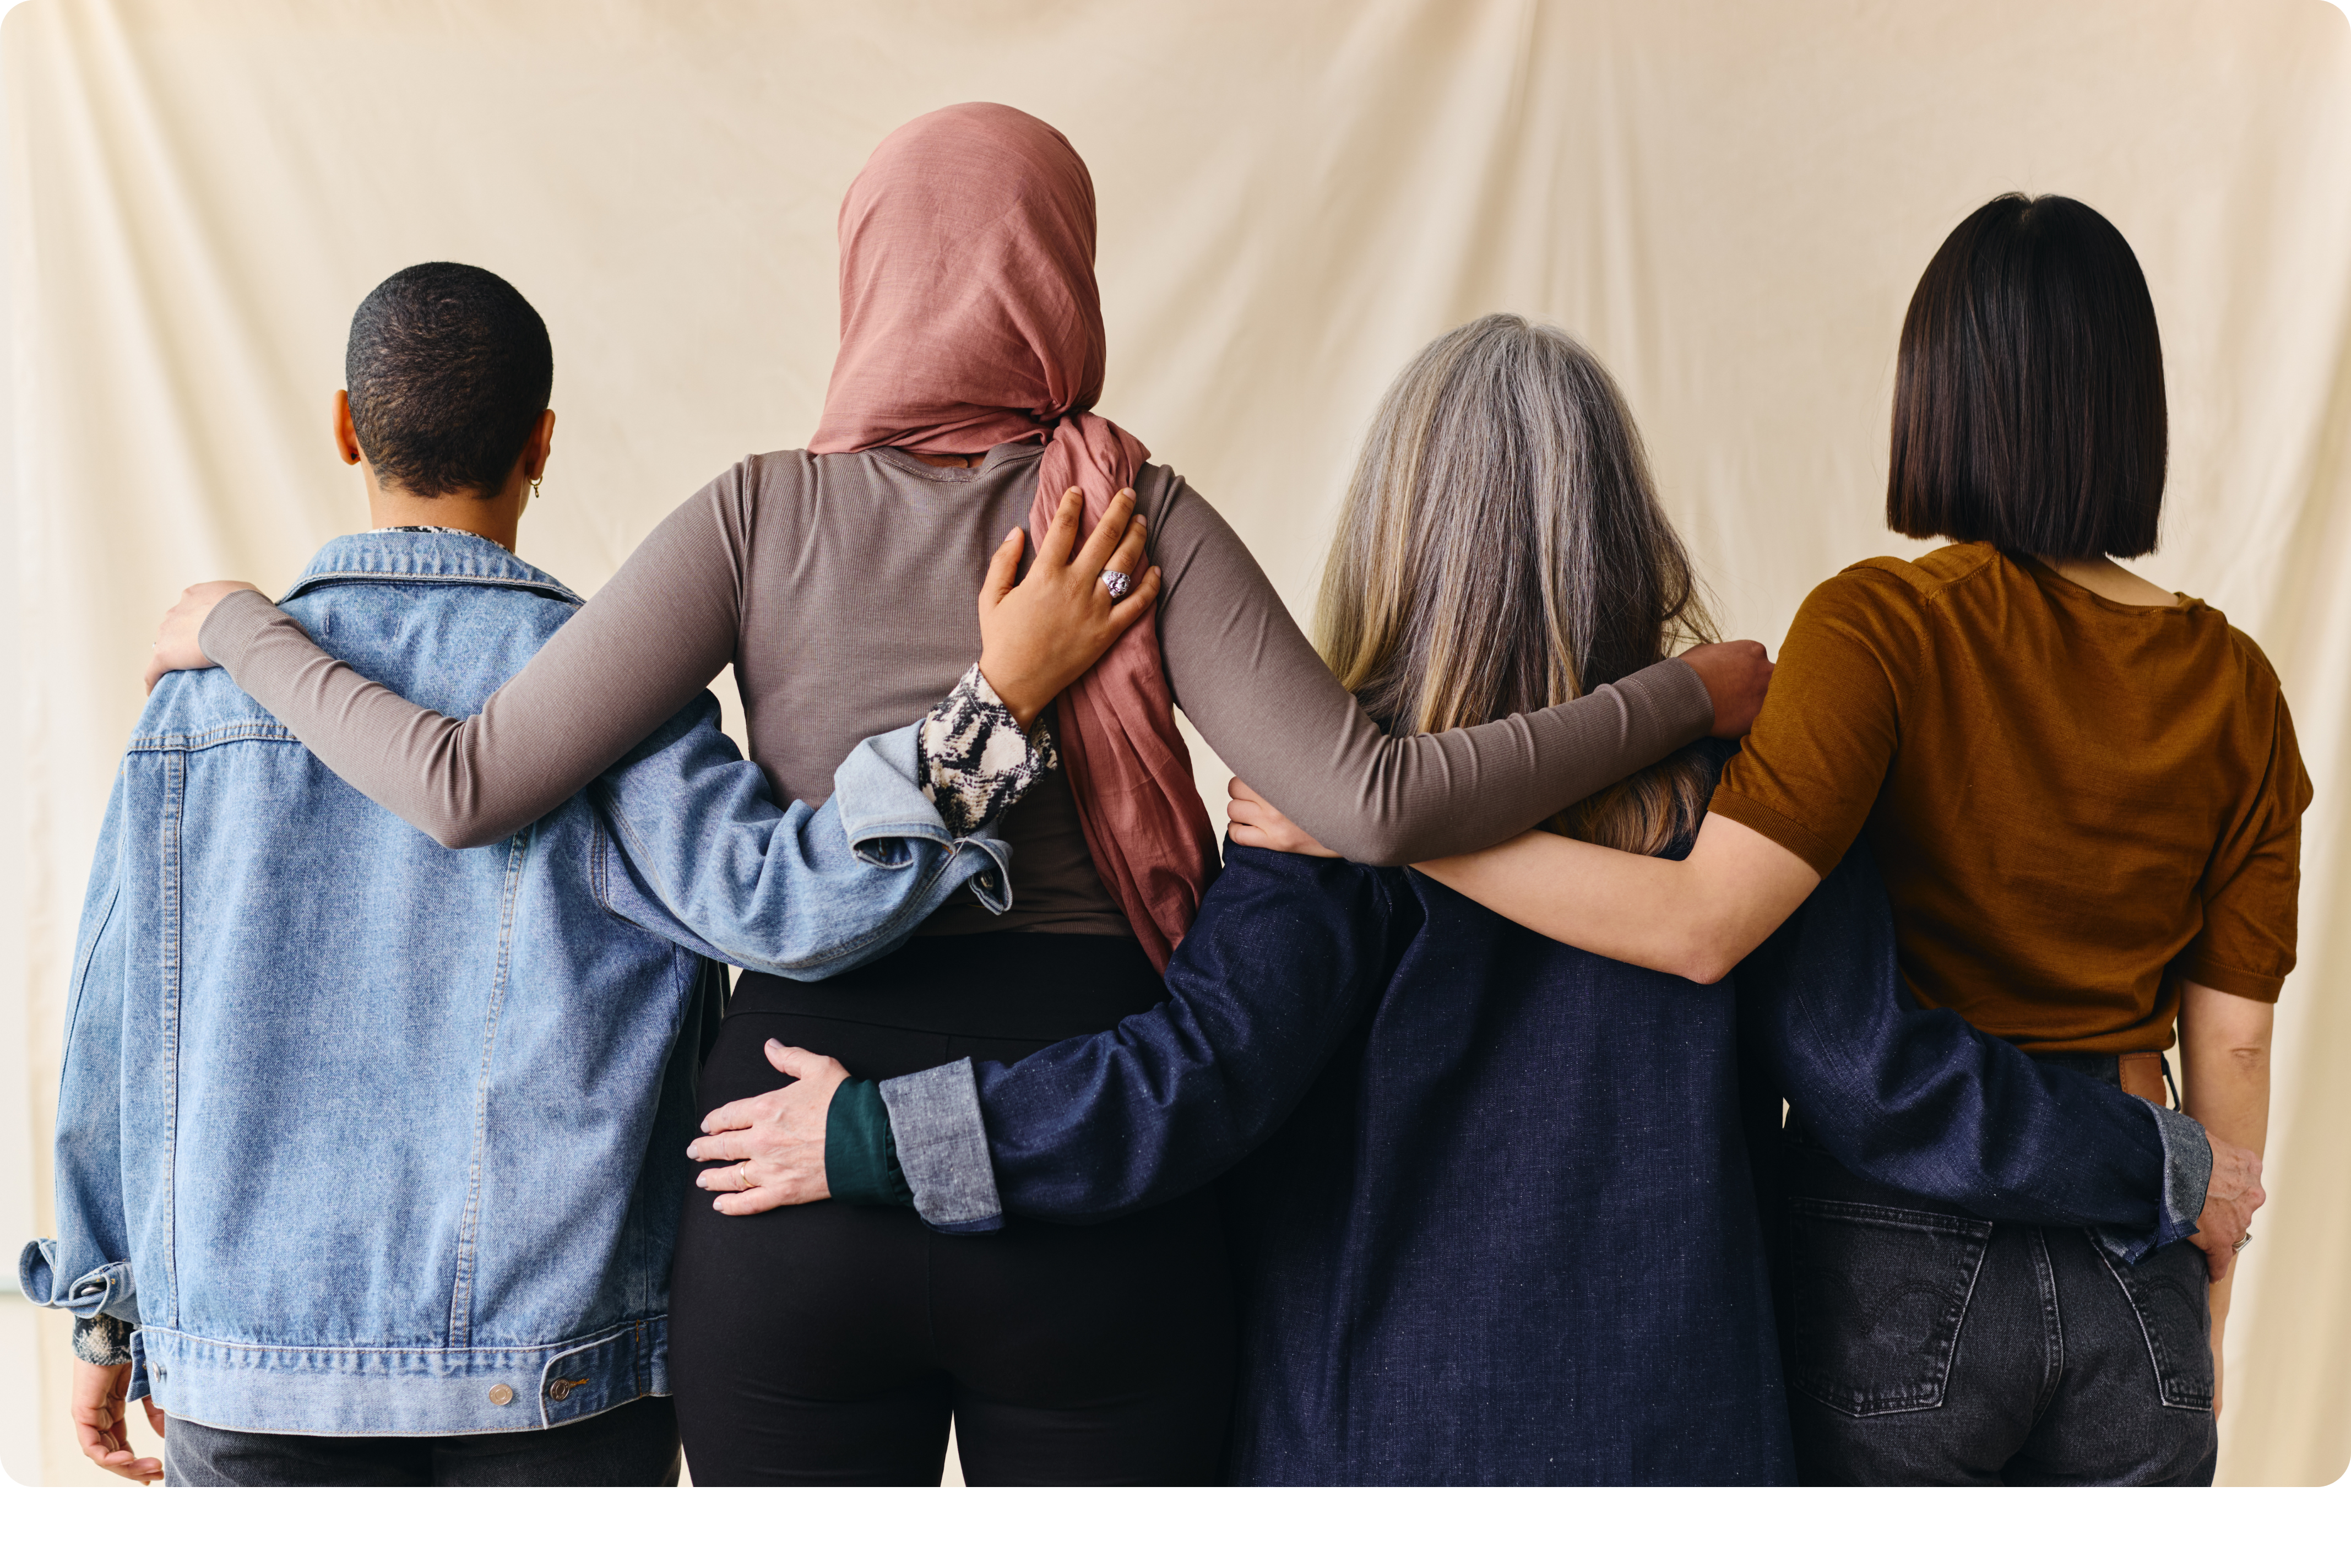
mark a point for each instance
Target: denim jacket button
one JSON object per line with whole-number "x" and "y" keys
{"x": 501, "y": 1394}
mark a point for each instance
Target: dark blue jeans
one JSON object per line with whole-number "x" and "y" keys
{"x": 1926, "y": 1346}
{"x": 633, "y": 1446}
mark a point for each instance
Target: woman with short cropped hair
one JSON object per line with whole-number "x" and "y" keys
{"x": 2084, "y": 795}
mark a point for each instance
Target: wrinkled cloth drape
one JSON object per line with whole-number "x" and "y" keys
{"x": 969, "y": 317}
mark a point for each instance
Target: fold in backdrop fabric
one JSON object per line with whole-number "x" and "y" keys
{"x": 1730, "y": 202}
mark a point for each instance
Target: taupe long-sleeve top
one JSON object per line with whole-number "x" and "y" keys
{"x": 844, "y": 589}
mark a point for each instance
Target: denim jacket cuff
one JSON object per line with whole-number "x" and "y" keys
{"x": 943, "y": 1147}
{"x": 104, "y": 1302}
{"x": 882, "y": 807}
{"x": 2187, "y": 1174}
{"x": 977, "y": 760}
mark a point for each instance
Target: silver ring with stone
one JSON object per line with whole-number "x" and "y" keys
{"x": 1119, "y": 584}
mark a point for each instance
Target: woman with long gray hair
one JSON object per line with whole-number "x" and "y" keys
{"x": 1493, "y": 1216}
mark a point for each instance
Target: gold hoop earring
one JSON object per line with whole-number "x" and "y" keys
{"x": 534, "y": 489}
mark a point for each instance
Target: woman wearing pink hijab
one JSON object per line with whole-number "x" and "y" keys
{"x": 832, "y": 1342}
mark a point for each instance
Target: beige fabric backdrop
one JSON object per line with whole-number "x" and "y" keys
{"x": 1729, "y": 200}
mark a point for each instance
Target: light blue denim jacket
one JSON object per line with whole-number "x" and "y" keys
{"x": 368, "y": 1135}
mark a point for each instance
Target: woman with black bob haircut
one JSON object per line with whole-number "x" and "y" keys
{"x": 2085, "y": 795}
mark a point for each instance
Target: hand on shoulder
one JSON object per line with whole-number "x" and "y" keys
{"x": 1736, "y": 676}
{"x": 175, "y": 646}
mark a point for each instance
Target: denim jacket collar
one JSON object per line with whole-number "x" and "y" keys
{"x": 387, "y": 554}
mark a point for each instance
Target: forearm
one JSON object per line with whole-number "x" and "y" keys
{"x": 1287, "y": 957}
{"x": 1249, "y": 679}
{"x": 2224, "y": 1058}
{"x": 1694, "y": 917}
{"x": 712, "y": 862}
{"x": 658, "y": 633}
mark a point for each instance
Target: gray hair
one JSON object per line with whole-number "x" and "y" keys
{"x": 1501, "y": 548}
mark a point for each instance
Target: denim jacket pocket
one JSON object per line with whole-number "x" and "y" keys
{"x": 2169, "y": 1291}
{"x": 1877, "y": 1295}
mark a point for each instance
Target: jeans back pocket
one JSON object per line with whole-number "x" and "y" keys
{"x": 1877, "y": 1298}
{"x": 2171, "y": 1292}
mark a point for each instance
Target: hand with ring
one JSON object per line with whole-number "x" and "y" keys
{"x": 1042, "y": 633}
{"x": 2230, "y": 1196}
{"x": 767, "y": 1152}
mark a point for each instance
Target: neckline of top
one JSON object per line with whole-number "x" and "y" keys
{"x": 2050, "y": 577}
{"x": 999, "y": 456}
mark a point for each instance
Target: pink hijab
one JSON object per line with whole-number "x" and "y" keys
{"x": 969, "y": 317}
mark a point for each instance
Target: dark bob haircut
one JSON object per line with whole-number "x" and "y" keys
{"x": 2028, "y": 402}
{"x": 448, "y": 370}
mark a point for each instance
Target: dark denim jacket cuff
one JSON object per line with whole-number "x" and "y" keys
{"x": 943, "y": 1147}
{"x": 861, "y": 1158}
{"x": 2187, "y": 1174}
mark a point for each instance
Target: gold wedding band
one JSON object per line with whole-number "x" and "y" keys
{"x": 2243, "y": 1241}
{"x": 744, "y": 1171}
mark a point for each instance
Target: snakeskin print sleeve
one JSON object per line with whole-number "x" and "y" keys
{"x": 976, "y": 762}
{"x": 102, "y": 1341}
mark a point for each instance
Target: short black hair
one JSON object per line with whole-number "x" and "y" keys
{"x": 448, "y": 370}
{"x": 2028, "y": 400}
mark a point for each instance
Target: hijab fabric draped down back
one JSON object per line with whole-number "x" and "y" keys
{"x": 969, "y": 317}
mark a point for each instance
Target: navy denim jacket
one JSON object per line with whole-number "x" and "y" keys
{"x": 371, "y": 1137}
{"x": 1278, "y": 970}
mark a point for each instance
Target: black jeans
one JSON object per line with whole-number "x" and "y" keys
{"x": 830, "y": 1344}
{"x": 633, "y": 1446}
{"x": 1925, "y": 1346}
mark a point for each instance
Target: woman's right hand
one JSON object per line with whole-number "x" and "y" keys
{"x": 1737, "y": 676}
{"x": 175, "y": 646}
{"x": 1043, "y": 632}
{"x": 1259, "y": 823}
{"x": 97, "y": 1399}
{"x": 2230, "y": 1196}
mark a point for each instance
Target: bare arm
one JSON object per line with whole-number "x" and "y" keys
{"x": 2224, "y": 1056}
{"x": 1244, "y": 673}
{"x": 1694, "y": 917}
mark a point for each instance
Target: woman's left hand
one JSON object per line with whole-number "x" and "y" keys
{"x": 1041, "y": 632}
{"x": 773, "y": 1144}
